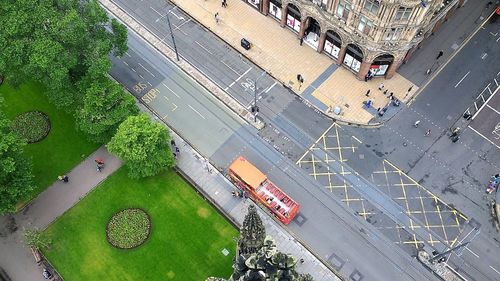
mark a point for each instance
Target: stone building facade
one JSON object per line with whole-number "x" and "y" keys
{"x": 374, "y": 36}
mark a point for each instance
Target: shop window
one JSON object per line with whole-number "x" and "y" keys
{"x": 275, "y": 8}
{"x": 353, "y": 57}
{"x": 392, "y": 34}
{"x": 403, "y": 13}
{"x": 343, "y": 9}
{"x": 293, "y": 18}
{"x": 365, "y": 25}
{"x": 255, "y": 3}
{"x": 372, "y": 6}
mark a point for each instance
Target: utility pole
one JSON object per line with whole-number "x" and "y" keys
{"x": 438, "y": 257}
{"x": 172, "y": 34}
{"x": 255, "y": 109}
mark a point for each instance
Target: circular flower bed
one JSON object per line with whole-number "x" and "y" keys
{"x": 33, "y": 126}
{"x": 128, "y": 228}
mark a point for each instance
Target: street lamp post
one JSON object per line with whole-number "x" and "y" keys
{"x": 172, "y": 35}
{"x": 255, "y": 109}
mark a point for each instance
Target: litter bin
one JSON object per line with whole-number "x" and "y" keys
{"x": 245, "y": 44}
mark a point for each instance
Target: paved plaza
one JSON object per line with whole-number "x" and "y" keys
{"x": 277, "y": 50}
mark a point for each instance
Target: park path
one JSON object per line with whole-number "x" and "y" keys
{"x": 17, "y": 260}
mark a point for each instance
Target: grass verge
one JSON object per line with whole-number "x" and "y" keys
{"x": 186, "y": 240}
{"x": 62, "y": 149}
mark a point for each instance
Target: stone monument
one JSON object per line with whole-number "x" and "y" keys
{"x": 257, "y": 258}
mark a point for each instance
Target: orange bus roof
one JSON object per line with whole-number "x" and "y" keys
{"x": 247, "y": 172}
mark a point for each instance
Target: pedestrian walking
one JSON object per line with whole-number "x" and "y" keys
{"x": 428, "y": 133}
{"x": 385, "y": 92}
{"x": 381, "y": 86}
{"x": 390, "y": 95}
{"x": 217, "y": 18}
{"x": 224, "y": 3}
{"x": 368, "y": 93}
{"x": 301, "y": 260}
{"x": 368, "y": 75}
{"x": 440, "y": 54}
{"x": 63, "y": 178}
{"x": 301, "y": 40}
{"x": 100, "y": 164}
{"x": 416, "y": 123}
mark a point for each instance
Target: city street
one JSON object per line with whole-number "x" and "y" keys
{"x": 456, "y": 172}
{"x": 381, "y": 194}
{"x": 371, "y": 198}
{"x": 337, "y": 236}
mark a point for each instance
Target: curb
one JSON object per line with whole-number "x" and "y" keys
{"x": 305, "y": 101}
{"x": 194, "y": 74}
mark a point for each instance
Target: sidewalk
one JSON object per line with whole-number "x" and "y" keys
{"x": 48, "y": 206}
{"x": 281, "y": 55}
{"x": 217, "y": 190}
{"x": 59, "y": 197}
{"x": 449, "y": 38}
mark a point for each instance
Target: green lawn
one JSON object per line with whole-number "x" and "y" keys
{"x": 185, "y": 244}
{"x": 63, "y": 148}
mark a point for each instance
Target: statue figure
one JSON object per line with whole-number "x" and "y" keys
{"x": 257, "y": 258}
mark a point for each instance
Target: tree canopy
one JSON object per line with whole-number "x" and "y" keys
{"x": 16, "y": 179}
{"x": 105, "y": 106}
{"x": 144, "y": 145}
{"x": 63, "y": 44}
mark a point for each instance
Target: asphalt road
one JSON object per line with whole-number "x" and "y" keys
{"x": 324, "y": 224}
{"x": 292, "y": 128}
{"x": 455, "y": 172}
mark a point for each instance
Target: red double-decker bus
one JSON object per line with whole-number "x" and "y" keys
{"x": 248, "y": 178}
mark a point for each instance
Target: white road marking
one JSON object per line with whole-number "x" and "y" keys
{"x": 151, "y": 85}
{"x": 175, "y": 107}
{"x": 356, "y": 139}
{"x": 272, "y": 86}
{"x": 228, "y": 66}
{"x": 180, "y": 25}
{"x": 166, "y": 97}
{"x": 133, "y": 69}
{"x": 462, "y": 79}
{"x": 125, "y": 63}
{"x": 178, "y": 17}
{"x": 484, "y": 137}
{"x": 196, "y": 111}
{"x": 203, "y": 47}
{"x": 146, "y": 69}
{"x": 241, "y": 76}
{"x": 477, "y": 256}
{"x": 170, "y": 90}
{"x": 128, "y": 55}
{"x": 156, "y": 12}
{"x": 496, "y": 82}
{"x": 493, "y": 109}
{"x": 164, "y": 117}
{"x": 141, "y": 77}
{"x": 484, "y": 104}
{"x": 494, "y": 269}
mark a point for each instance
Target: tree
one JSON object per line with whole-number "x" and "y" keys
{"x": 105, "y": 106}
{"x": 35, "y": 239}
{"x": 16, "y": 179}
{"x": 144, "y": 145}
{"x": 57, "y": 43}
